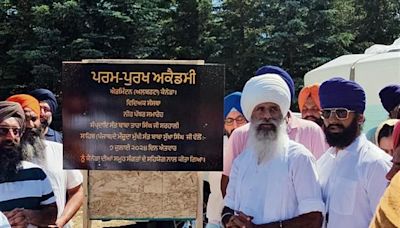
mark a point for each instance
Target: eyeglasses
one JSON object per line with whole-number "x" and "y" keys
{"x": 5, "y": 130}
{"x": 239, "y": 120}
{"x": 341, "y": 113}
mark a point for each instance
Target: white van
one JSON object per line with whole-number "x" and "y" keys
{"x": 379, "y": 67}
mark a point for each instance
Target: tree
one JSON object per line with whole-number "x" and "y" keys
{"x": 378, "y": 23}
{"x": 242, "y": 37}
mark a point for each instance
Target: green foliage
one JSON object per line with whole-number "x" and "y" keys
{"x": 378, "y": 22}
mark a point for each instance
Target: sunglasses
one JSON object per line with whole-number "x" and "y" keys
{"x": 341, "y": 113}
{"x": 239, "y": 120}
{"x": 5, "y": 130}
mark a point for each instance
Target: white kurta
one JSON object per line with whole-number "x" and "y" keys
{"x": 283, "y": 188}
{"x": 61, "y": 180}
{"x": 215, "y": 202}
{"x": 353, "y": 181}
{"x": 3, "y": 221}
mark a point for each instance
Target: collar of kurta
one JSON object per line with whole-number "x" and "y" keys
{"x": 353, "y": 148}
{"x": 293, "y": 122}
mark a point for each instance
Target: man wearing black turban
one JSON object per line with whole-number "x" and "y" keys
{"x": 48, "y": 106}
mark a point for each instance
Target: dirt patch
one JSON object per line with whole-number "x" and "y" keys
{"x": 78, "y": 222}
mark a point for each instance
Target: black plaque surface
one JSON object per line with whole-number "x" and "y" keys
{"x": 158, "y": 117}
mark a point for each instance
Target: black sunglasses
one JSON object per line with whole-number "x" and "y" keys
{"x": 341, "y": 113}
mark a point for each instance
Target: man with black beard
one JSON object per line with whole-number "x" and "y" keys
{"x": 273, "y": 182}
{"x": 49, "y": 156}
{"x": 352, "y": 171}
{"x": 48, "y": 107}
{"x": 26, "y": 196}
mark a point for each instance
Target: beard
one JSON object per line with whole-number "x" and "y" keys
{"x": 344, "y": 138}
{"x": 32, "y": 146}
{"x": 10, "y": 159}
{"x": 44, "y": 123}
{"x": 267, "y": 142}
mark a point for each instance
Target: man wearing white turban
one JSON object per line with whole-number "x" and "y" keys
{"x": 273, "y": 182}
{"x": 305, "y": 132}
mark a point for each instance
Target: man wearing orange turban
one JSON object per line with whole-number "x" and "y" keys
{"x": 309, "y": 105}
{"x": 31, "y": 107}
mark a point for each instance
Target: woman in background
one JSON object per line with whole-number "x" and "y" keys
{"x": 383, "y": 135}
{"x": 387, "y": 214}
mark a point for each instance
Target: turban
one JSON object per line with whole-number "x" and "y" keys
{"x": 390, "y": 97}
{"x": 396, "y": 135}
{"x": 282, "y": 73}
{"x": 26, "y": 101}
{"x": 341, "y": 93}
{"x": 389, "y": 122}
{"x": 305, "y": 92}
{"x": 45, "y": 96}
{"x": 232, "y": 101}
{"x": 265, "y": 88}
{"x": 10, "y": 109}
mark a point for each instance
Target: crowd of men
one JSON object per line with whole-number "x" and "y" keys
{"x": 35, "y": 190}
{"x": 279, "y": 170}
{"x": 317, "y": 171}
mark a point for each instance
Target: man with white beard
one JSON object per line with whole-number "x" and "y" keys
{"x": 299, "y": 130}
{"x": 273, "y": 182}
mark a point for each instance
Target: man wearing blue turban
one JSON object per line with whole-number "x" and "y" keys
{"x": 48, "y": 106}
{"x": 390, "y": 99}
{"x": 233, "y": 115}
{"x": 352, "y": 171}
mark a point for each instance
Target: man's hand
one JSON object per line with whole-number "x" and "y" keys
{"x": 240, "y": 221}
{"x": 60, "y": 223}
{"x": 231, "y": 223}
{"x": 44, "y": 217}
{"x": 18, "y": 218}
